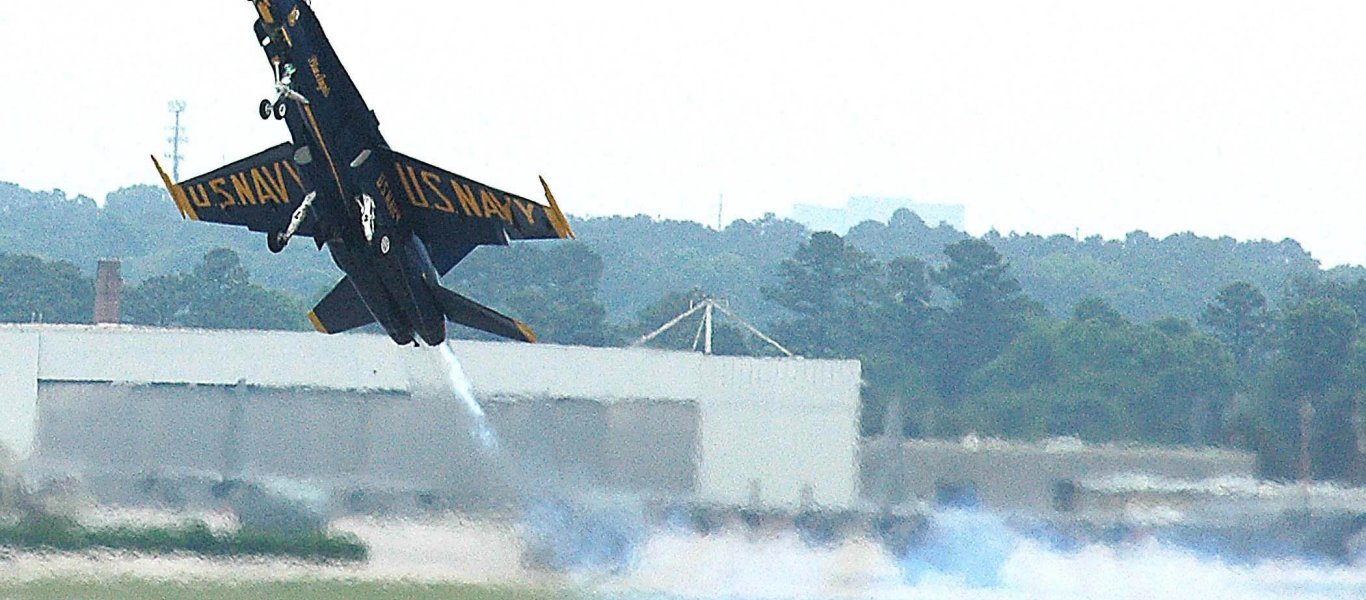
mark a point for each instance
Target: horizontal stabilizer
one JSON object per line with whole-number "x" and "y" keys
{"x": 341, "y": 309}
{"x": 463, "y": 311}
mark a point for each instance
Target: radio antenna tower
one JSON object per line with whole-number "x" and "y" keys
{"x": 177, "y": 137}
{"x": 704, "y": 329}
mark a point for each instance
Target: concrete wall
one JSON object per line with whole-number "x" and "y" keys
{"x": 654, "y": 446}
{"x": 780, "y": 433}
{"x": 380, "y": 440}
{"x": 263, "y": 359}
{"x": 1021, "y": 476}
{"x": 718, "y": 429}
{"x": 18, "y": 390}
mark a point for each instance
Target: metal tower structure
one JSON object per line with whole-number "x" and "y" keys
{"x": 177, "y": 137}
{"x": 707, "y": 306}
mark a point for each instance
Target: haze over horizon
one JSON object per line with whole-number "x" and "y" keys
{"x": 1220, "y": 118}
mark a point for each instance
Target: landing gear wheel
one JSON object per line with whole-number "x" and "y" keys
{"x": 264, "y": 109}
{"x": 276, "y": 242}
{"x": 280, "y": 109}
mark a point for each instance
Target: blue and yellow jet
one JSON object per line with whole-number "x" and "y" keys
{"x": 392, "y": 223}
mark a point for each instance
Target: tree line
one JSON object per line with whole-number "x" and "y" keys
{"x": 1180, "y": 340}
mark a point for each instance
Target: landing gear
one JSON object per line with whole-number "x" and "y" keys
{"x": 278, "y": 108}
{"x": 284, "y": 90}
{"x": 277, "y": 241}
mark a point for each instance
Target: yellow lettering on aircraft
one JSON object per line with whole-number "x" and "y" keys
{"x": 382, "y": 184}
{"x": 242, "y": 186}
{"x": 220, "y": 189}
{"x": 199, "y": 196}
{"x": 422, "y": 185}
{"x": 293, "y": 173}
{"x": 431, "y": 180}
{"x": 318, "y": 74}
{"x": 277, "y": 183}
{"x": 407, "y": 187}
{"x": 387, "y": 192}
{"x": 467, "y": 201}
{"x": 253, "y": 186}
{"x": 528, "y": 209}
{"x": 421, "y": 195}
{"x": 492, "y": 206}
{"x": 263, "y": 191}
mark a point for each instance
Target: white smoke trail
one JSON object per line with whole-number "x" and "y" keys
{"x": 460, "y": 387}
{"x": 969, "y": 544}
{"x": 971, "y": 558}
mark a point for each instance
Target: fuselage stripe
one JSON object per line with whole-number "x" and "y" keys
{"x": 319, "y": 133}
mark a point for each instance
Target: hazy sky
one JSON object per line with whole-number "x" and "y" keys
{"x": 1240, "y": 118}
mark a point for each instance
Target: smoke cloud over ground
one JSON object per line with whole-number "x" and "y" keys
{"x": 609, "y": 547}
{"x": 735, "y": 565}
{"x": 590, "y": 542}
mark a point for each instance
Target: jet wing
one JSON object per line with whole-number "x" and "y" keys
{"x": 259, "y": 192}
{"x": 451, "y": 213}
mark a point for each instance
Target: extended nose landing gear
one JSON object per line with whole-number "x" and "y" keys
{"x": 284, "y": 90}
{"x": 277, "y": 108}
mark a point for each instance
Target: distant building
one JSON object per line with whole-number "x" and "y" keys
{"x": 874, "y": 208}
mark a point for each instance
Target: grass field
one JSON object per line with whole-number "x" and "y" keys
{"x": 41, "y": 531}
{"x": 137, "y": 589}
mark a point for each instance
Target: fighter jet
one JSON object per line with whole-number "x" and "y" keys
{"x": 392, "y": 223}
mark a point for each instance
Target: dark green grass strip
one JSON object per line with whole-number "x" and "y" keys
{"x": 40, "y": 532}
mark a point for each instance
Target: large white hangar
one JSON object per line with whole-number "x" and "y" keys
{"x": 358, "y": 409}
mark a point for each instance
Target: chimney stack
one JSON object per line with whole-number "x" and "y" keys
{"x": 108, "y": 291}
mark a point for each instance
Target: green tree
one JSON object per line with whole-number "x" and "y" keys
{"x": 50, "y": 291}
{"x": 163, "y": 300}
{"x": 905, "y": 309}
{"x": 1316, "y": 350}
{"x": 831, "y": 289}
{"x": 1094, "y": 308}
{"x": 554, "y": 290}
{"x": 989, "y": 308}
{"x": 1193, "y": 378}
{"x": 1238, "y": 317}
{"x": 217, "y": 294}
{"x": 899, "y": 393}
{"x": 1102, "y": 378}
{"x": 1315, "y": 346}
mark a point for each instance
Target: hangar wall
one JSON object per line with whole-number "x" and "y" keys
{"x": 776, "y": 432}
{"x": 18, "y": 390}
{"x": 1025, "y": 475}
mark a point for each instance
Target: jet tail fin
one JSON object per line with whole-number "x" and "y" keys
{"x": 340, "y": 310}
{"x": 463, "y": 311}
